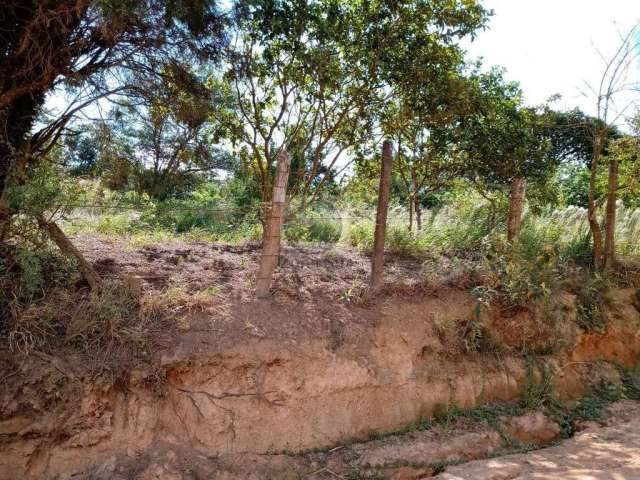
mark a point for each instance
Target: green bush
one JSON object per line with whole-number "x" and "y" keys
{"x": 526, "y": 270}
{"x": 27, "y": 274}
{"x": 117, "y": 224}
{"x": 589, "y": 302}
{"x": 317, "y": 227}
{"x": 400, "y": 241}
{"x": 360, "y": 235}
{"x": 577, "y": 250}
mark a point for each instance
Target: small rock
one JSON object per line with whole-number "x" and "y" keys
{"x": 532, "y": 428}
{"x": 408, "y": 473}
{"x": 134, "y": 285}
{"x": 581, "y": 425}
{"x": 159, "y": 472}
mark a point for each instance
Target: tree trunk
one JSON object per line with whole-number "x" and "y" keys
{"x": 273, "y": 227}
{"x": 416, "y": 200}
{"x": 4, "y": 217}
{"x": 410, "y": 226}
{"x": 592, "y": 213}
{"x": 69, "y": 249}
{"x": 516, "y": 207}
{"x": 15, "y": 123}
{"x": 610, "y": 218}
{"x": 377, "y": 260}
{"x": 416, "y": 203}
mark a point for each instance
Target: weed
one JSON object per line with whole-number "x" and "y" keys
{"x": 589, "y": 303}
{"x": 474, "y": 336}
{"x": 630, "y": 382}
{"x": 538, "y": 390}
{"x": 354, "y": 291}
{"x": 365, "y": 476}
{"x": 590, "y": 407}
{"x": 316, "y": 227}
{"x": 175, "y": 301}
{"x": 443, "y": 323}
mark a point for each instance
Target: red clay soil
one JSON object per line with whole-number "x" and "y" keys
{"x": 317, "y": 291}
{"x": 314, "y": 364}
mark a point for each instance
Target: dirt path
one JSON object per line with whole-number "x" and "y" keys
{"x": 609, "y": 452}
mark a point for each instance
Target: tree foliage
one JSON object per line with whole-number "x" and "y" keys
{"x": 77, "y": 43}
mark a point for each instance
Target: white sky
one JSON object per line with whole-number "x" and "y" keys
{"x": 549, "y": 45}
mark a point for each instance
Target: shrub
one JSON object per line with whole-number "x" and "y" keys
{"x": 118, "y": 224}
{"x": 316, "y": 227}
{"x": 577, "y": 250}
{"x": 589, "y": 302}
{"x": 27, "y": 275}
{"x": 525, "y": 271}
{"x": 360, "y": 235}
{"x": 324, "y": 230}
{"x": 400, "y": 241}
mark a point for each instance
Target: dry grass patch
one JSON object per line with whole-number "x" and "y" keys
{"x": 176, "y": 302}
{"x": 112, "y": 325}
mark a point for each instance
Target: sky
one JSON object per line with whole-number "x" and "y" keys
{"x": 549, "y": 46}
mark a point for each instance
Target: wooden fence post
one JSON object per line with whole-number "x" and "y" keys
{"x": 516, "y": 207}
{"x": 377, "y": 260}
{"x": 273, "y": 227}
{"x": 70, "y": 250}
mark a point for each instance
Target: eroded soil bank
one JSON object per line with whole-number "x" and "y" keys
{"x": 413, "y": 359}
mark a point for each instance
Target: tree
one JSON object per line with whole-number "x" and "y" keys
{"x": 409, "y": 54}
{"x": 425, "y": 162}
{"x": 571, "y": 147}
{"x": 313, "y": 76}
{"x": 163, "y": 132}
{"x": 75, "y": 42}
{"x": 81, "y": 153}
{"x": 625, "y": 151}
{"x": 611, "y": 107}
{"x": 289, "y": 88}
{"x": 504, "y": 143}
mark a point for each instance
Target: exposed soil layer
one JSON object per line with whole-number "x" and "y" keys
{"x": 311, "y": 367}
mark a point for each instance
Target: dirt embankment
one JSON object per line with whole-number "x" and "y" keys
{"x": 414, "y": 358}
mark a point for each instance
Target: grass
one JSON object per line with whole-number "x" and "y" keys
{"x": 108, "y": 325}
{"x": 591, "y": 407}
{"x": 538, "y": 388}
{"x": 551, "y": 253}
{"x": 467, "y": 227}
{"x": 536, "y": 396}
{"x": 176, "y": 302}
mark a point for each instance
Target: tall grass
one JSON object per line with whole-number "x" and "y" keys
{"x": 457, "y": 230}
{"x": 464, "y": 227}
